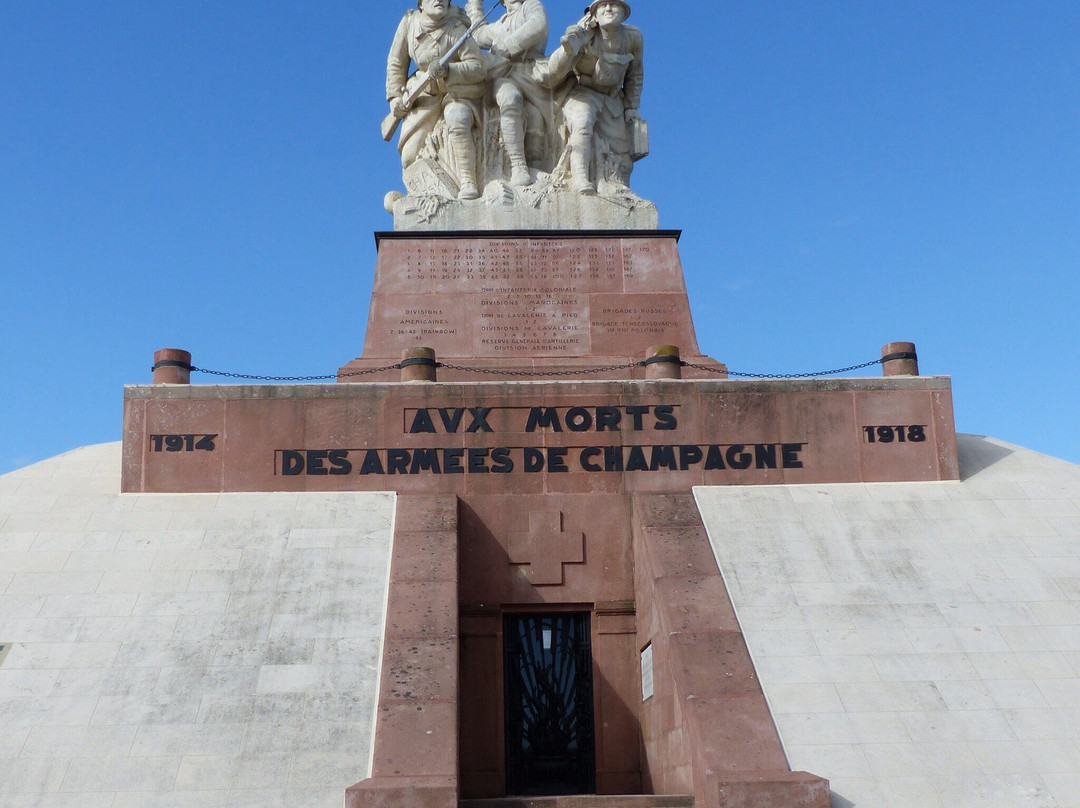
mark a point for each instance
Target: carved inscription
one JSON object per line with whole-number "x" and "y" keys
{"x": 535, "y": 320}
{"x": 423, "y": 321}
{"x": 655, "y": 318}
{"x": 509, "y": 264}
{"x": 517, "y": 297}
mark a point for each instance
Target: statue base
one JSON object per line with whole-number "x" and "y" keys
{"x": 544, "y": 205}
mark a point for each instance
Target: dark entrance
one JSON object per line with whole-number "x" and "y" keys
{"x": 549, "y": 710}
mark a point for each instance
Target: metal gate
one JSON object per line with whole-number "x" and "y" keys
{"x": 549, "y": 709}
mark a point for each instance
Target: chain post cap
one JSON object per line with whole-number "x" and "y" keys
{"x": 899, "y": 359}
{"x": 418, "y": 365}
{"x": 171, "y": 366}
{"x": 663, "y": 362}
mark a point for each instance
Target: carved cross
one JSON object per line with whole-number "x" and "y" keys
{"x": 545, "y": 548}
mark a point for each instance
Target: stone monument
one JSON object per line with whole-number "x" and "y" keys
{"x": 556, "y": 621}
{"x": 558, "y": 264}
{"x": 497, "y": 135}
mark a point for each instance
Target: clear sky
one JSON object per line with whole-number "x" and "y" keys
{"x": 208, "y": 174}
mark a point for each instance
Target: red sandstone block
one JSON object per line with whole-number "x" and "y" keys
{"x": 711, "y": 665}
{"x": 891, "y": 406}
{"x": 417, "y": 669}
{"x": 134, "y": 447}
{"x": 732, "y": 733}
{"x": 416, "y": 512}
{"x": 679, "y": 551}
{"x": 661, "y": 714}
{"x": 781, "y": 789}
{"x": 422, "y": 609}
{"x": 416, "y": 739}
{"x": 665, "y": 510}
{"x": 396, "y": 792}
{"x": 821, "y": 413}
{"x": 429, "y": 555}
{"x": 691, "y": 590}
{"x": 184, "y": 421}
{"x": 895, "y": 460}
{"x": 944, "y": 435}
{"x": 746, "y": 417}
{"x": 694, "y": 604}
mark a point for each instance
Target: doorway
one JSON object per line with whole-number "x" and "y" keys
{"x": 549, "y": 704}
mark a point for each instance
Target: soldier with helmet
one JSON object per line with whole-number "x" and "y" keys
{"x": 599, "y": 63}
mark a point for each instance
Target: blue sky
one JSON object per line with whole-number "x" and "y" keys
{"x": 208, "y": 175}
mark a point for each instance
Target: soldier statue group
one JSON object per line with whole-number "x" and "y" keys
{"x": 571, "y": 117}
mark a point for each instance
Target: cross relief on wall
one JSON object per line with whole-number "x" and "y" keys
{"x": 546, "y": 547}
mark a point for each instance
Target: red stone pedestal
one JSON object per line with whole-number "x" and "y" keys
{"x": 529, "y": 301}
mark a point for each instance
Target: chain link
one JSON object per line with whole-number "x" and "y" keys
{"x": 325, "y": 377}
{"x": 785, "y": 375}
{"x": 537, "y": 373}
{"x": 540, "y": 373}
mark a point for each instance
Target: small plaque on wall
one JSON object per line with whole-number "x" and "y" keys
{"x": 646, "y": 673}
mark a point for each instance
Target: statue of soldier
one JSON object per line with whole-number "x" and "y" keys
{"x": 513, "y": 44}
{"x": 454, "y": 93}
{"x": 600, "y": 59}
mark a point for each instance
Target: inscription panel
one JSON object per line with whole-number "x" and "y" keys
{"x": 642, "y": 318}
{"x": 529, "y": 322}
{"x": 535, "y": 437}
{"x": 492, "y": 264}
{"x": 526, "y": 297}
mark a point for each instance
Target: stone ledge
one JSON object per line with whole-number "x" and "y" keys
{"x": 335, "y": 390}
{"x": 501, "y": 209}
{"x": 767, "y": 790}
{"x": 397, "y": 792}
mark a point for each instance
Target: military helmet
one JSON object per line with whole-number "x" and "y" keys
{"x": 592, "y": 6}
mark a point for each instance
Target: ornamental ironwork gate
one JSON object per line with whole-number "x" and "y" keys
{"x": 549, "y": 708}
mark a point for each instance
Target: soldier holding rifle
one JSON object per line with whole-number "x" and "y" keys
{"x": 451, "y": 89}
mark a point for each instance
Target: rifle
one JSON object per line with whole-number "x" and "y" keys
{"x": 423, "y": 79}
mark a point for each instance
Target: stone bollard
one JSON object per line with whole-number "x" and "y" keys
{"x": 899, "y": 359}
{"x": 418, "y": 365}
{"x": 172, "y": 366}
{"x": 663, "y": 362}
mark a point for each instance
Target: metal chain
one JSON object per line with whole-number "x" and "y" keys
{"x": 785, "y": 375}
{"x": 541, "y": 373}
{"x": 294, "y": 378}
{"x": 536, "y": 373}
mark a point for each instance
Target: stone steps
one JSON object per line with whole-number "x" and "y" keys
{"x": 586, "y": 801}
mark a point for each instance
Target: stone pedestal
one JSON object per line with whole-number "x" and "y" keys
{"x": 529, "y": 301}
{"x": 537, "y": 207}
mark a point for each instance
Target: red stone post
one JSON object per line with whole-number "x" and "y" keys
{"x": 899, "y": 359}
{"x": 172, "y": 366}
{"x": 663, "y": 362}
{"x": 418, "y": 365}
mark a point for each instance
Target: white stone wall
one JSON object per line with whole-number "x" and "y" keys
{"x": 189, "y": 651}
{"x": 919, "y": 643}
